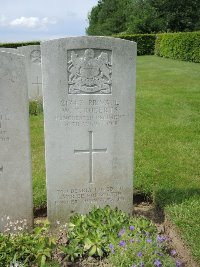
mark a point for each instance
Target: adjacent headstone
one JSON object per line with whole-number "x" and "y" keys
{"x": 16, "y": 208}
{"x": 89, "y": 103}
{"x": 32, "y": 55}
{"x": 10, "y": 50}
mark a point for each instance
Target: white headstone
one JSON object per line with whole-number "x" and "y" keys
{"x": 89, "y": 103}
{"x": 10, "y": 50}
{"x": 15, "y": 161}
{"x": 32, "y": 55}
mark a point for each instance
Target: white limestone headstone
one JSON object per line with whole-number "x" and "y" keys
{"x": 10, "y": 50}
{"x": 89, "y": 105}
{"x": 15, "y": 161}
{"x": 32, "y": 55}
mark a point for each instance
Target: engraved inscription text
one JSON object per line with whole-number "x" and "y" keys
{"x": 93, "y": 195}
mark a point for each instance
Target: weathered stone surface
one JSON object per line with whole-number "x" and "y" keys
{"x": 89, "y": 103}
{"x": 32, "y": 55}
{"x": 10, "y": 50}
{"x": 15, "y": 161}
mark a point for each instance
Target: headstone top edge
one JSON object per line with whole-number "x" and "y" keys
{"x": 97, "y": 38}
{"x": 13, "y": 54}
{"x": 8, "y": 48}
{"x": 28, "y": 46}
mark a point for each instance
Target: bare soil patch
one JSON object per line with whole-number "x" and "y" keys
{"x": 165, "y": 226}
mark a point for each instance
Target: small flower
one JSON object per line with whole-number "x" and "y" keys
{"x": 111, "y": 247}
{"x": 158, "y": 263}
{"x": 160, "y": 239}
{"x": 121, "y": 232}
{"x": 131, "y": 240}
{"x": 58, "y": 222}
{"x": 149, "y": 241}
{"x": 132, "y": 228}
{"x": 173, "y": 252}
{"x": 134, "y": 265}
{"x": 179, "y": 263}
{"x": 142, "y": 264}
{"x": 140, "y": 254}
{"x": 122, "y": 243}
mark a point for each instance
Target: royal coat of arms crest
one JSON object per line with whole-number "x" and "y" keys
{"x": 88, "y": 74}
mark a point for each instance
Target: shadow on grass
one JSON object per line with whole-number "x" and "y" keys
{"x": 153, "y": 206}
{"x": 164, "y": 197}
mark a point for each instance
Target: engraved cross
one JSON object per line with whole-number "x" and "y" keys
{"x": 91, "y": 151}
{"x": 37, "y": 83}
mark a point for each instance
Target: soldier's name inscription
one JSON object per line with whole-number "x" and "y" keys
{"x": 83, "y": 112}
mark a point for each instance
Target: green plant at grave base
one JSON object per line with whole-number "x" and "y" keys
{"x": 26, "y": 249}
{"x": 110, "y": 232}
{"x": 94, "y": 231}
{"x": 35, "y": 107}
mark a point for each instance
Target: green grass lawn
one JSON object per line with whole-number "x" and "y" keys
{"x": 38, "y": 163}
{"x": 167, "y": 147}
{"x": 167, "y": 143}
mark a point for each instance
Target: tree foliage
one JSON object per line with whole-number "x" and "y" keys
{"x": 108, "y": 17}
{"x": 143, "y": 16}
{"x": 178, "y": 15}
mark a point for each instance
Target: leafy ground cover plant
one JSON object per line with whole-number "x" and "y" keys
{"x": 26, "y": 249}
{"x": 91, "y": 234}
{"x": 104, "y": 234}
{"x": 126, "y": 241}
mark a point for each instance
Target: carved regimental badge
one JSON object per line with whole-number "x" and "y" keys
{"x": 36, "y": 56}
{"x": 89, "y": 72}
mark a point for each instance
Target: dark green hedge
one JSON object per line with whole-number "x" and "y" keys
{"x": 15, "y": 45}
{"x": 182, "y": 46}
{"x": 145, "y": 42}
